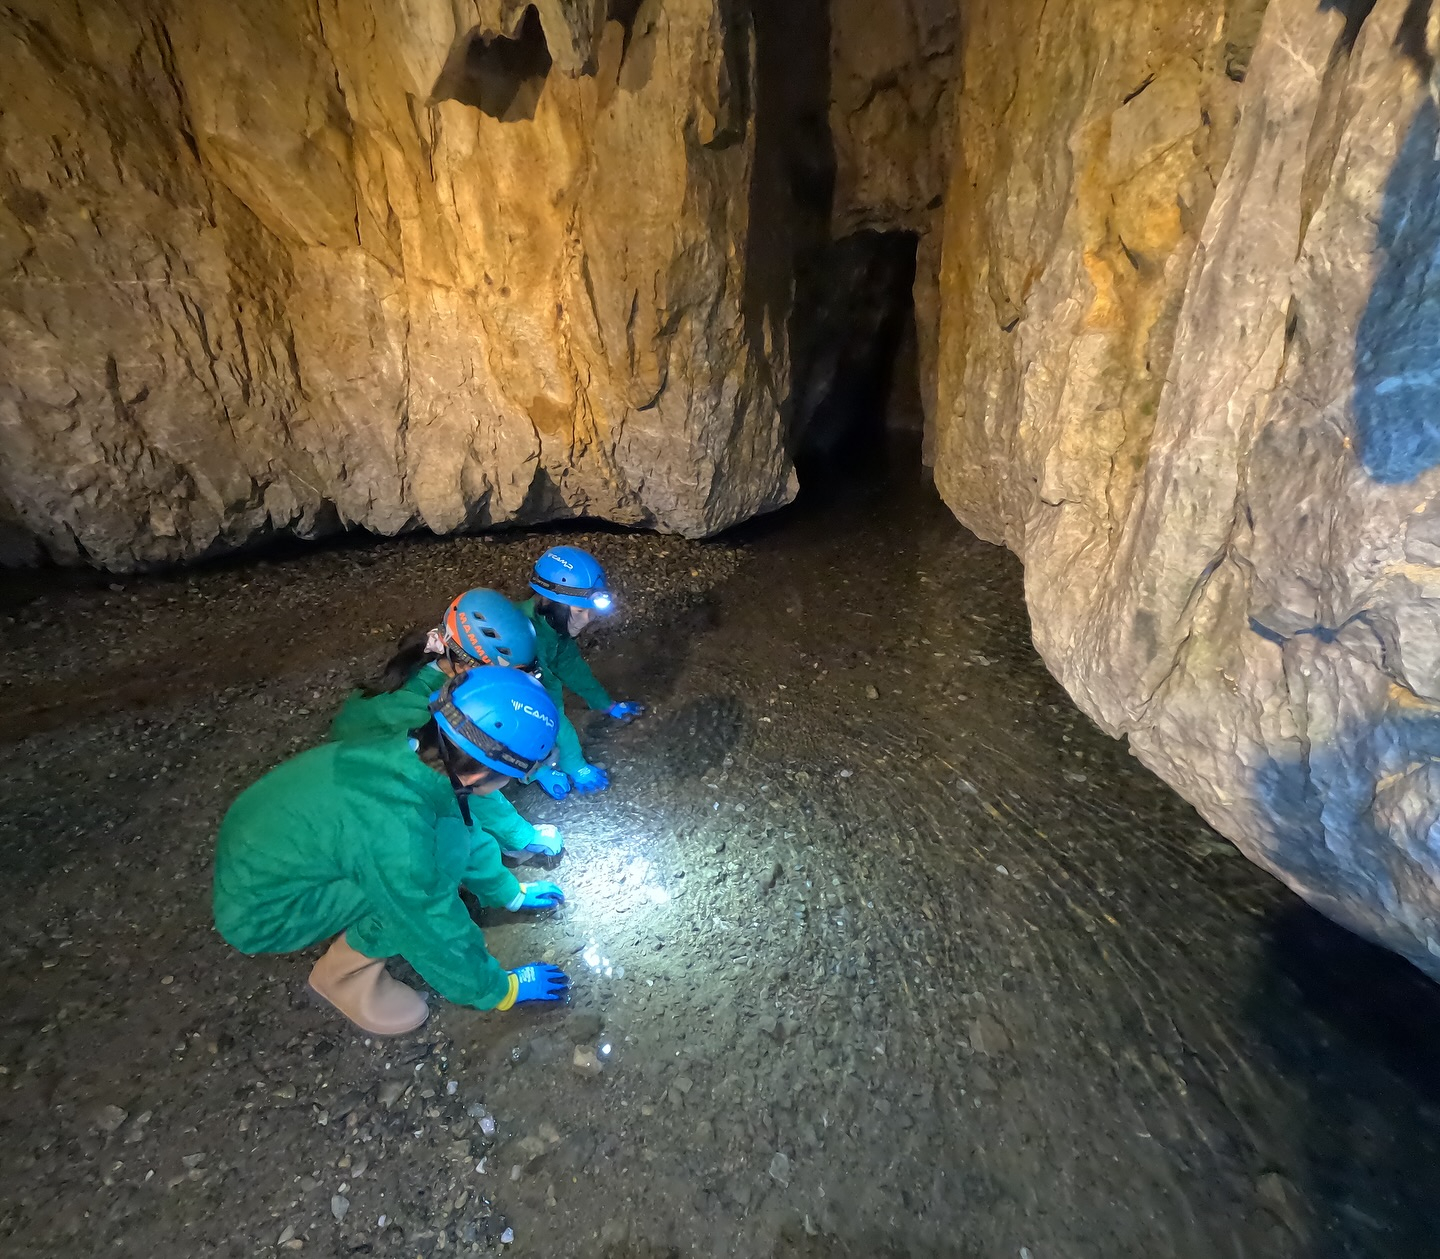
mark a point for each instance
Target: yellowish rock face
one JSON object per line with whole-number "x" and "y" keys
{"x": 289, "y": 268}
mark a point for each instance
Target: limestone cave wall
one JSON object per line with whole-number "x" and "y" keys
{"x": 298, "y": 266}
{"x": 1189, "y": 334}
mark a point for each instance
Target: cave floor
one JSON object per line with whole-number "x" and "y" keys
{"x": 893, "y": 952}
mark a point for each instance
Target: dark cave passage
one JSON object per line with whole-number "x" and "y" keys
{"x": 857, "y": 385}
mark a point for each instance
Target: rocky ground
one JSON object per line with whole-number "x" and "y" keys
{"x": 879, "y": 947}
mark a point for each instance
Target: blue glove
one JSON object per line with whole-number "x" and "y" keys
{"x": 540, "y": 895}
{"x": 589, "y": 779}
{"x": 539, "y": 981}
{"x": 555, "y": 783}
{"x": 626, "y": 711}
{"x": 547, "y": 842}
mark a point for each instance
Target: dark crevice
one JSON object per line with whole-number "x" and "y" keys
{"x": 1411, "y": 38}
{"x": 625, "y": 12}
{"x": 500, "y": 75}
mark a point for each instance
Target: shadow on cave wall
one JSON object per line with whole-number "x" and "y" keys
{"x": 500, "y": 75}
{"x": 1397, "y": 351}
{"x": 792, "y": 189}
{"x": 1353, "y": 1026}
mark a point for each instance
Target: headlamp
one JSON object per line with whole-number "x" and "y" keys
{"x": 601, "y": 602}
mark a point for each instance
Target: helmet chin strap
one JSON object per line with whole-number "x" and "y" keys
{"x": 462, "y": 792}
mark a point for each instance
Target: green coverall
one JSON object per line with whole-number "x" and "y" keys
{"x": 562, "y": 666}
{"x": 367, "y": 839}
{"x": 363, "y": 717}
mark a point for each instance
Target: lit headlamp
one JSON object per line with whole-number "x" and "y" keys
{"x": 597, "y": 596}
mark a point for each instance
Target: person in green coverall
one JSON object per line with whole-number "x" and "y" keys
{"x": 570, "y": 592}
{"x": 480, "y": 628}
{"x": 368, "y": 842}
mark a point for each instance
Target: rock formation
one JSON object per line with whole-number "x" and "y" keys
{"x": 288, "y": 266}
{"x": 1189, "y": 375}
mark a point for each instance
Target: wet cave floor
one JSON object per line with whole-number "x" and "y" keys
{"x": 883, "y": 948}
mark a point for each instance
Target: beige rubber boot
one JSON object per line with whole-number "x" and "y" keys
{"x": 363, "y": 991}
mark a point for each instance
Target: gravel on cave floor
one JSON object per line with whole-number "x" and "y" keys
{"x": 880, "y": 948}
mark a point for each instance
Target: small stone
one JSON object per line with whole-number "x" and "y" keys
{"x": 773, "y": 876}
{"x": 871, "y": 693}
{"x": 390, "y": 1092}
{"x": 109, "y": 1118}
{"x": 293, "y": 1244}
{"x": 339, "y": 1207}
{"x": 585, "y": 1062}
{"x": 487, "y": 1125}
{"x": 285, "y": 1235}
{"x": 507, "y": 1237}
{"x": 136, "y": 1131}
{"x": 768, "y": 1024}
{"x": 1280, "y": 1195}
{"x": 583, "y": 1026}
{"x": 684, "y": 1083}
{"x": 780, "y": 1169}
{"x": 988, "y": 1037}
{"x": 285, "y": 1093}
{"x": 192, "y": 1160}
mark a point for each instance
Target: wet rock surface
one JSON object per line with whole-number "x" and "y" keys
{"x": 880, "y": 948}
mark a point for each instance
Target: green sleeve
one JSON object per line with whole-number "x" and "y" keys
{"x": 494, "y": 813}
{"x": 379, "y": 716}
{"x": 417, "y": 914}
{"x": 568, "y": 755}
{"x": 485, "y": 874}
{"x": 576, "y": 674}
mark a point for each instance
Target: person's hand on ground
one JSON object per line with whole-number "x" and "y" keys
{"x": 589, "y": 779}
{"x": 539, "y": 981}
{"x": 555, "y": 783}
{"x": 547, "y": 842}
{"x": 540, "y": 895}
{"x": 626, "y": 710}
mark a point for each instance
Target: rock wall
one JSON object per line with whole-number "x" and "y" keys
{"x": 301, "y": 266}
{"x": 1188, "y": 373}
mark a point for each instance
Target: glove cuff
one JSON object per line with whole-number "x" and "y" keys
{"x": 513, "y": 904}
{"x": 512, "y": 991}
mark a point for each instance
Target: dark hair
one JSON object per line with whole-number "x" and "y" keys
{"x": 411, "y": 655}
{"x": 558, "y": 614}
{"x": 442, "y": 755}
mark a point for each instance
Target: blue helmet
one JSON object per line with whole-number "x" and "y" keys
{"x": 500, "y": 717}
{"x": 572, "y": 577}
{"x": 483, "y": 627}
